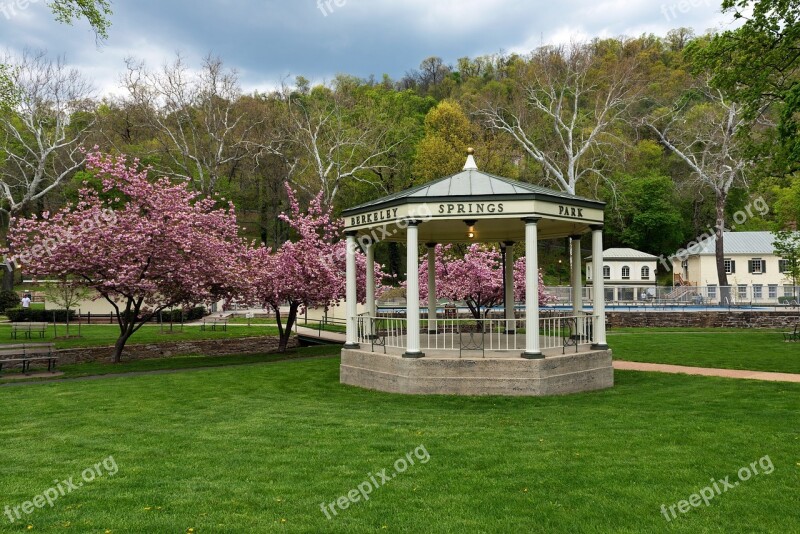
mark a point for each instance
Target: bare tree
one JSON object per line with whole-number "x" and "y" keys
{"x": 200, "y": 127}
{"x": 704, "y": 130}
{"x": 43, "y": 132}
{"x": 566, "y": 110}
{"x": 328, "y": 142}
{"x": 66, "y": 293}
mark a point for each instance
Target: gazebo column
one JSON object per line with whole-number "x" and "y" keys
{"x": 412, "y": 291}
{"x": 351, "y": 295}
{"x": 577, "y": 282}
{"x": 432, "y": 303}
{"x": 371, "y": 308}
{"x": 532, "y": 350}
{"x": 599, "y": 300}
{"x": 508, "y": 298}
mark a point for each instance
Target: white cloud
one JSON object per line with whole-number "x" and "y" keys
{"x": 269, "y": 41}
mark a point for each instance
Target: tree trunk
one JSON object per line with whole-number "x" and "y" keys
{"x": 286, "y": 332}
{"x": 126, "y": 328}
{"x": 120, "y": 345}
{"x": 8, "y": 272}
{"x": 393, "y": 264}
{"x": 8, "y": 277}
{"x": 719, "y": 250}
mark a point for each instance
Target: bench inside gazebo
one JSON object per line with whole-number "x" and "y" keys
{"x": 427, "y": 351}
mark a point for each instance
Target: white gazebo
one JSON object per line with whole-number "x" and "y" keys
{"x": 563, "y": 351}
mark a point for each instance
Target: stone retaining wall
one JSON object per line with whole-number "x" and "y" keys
{"x": 206, "y": 347}
{"x": 703, "y": 319}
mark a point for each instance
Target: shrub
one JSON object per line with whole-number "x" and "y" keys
{"x": 39, "y": 315}
{"x": 8, "y": 299}
{"x": 198, "y": 312}
{"x": 189, "y": 314}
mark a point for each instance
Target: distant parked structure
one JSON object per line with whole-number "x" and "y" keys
{"x": 755, "y": 272}
{"x": 629, "y": 274}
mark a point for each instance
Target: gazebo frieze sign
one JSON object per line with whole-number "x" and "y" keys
{"x": 423, "y": 212}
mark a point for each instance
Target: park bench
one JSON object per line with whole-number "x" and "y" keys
{"x": 377, "y": 337}
{"x": 213, "y": 323}
{"x": 794, "y": 335}
{"x": 471, "y": 337}
{"x": 26, "y": 354}
{"x": 571, "y": 335}
{"x": 28, "y": 329}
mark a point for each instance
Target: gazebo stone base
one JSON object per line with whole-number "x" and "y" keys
{"x": 431, "y": 375}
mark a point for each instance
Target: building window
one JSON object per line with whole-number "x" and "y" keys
{"x": 757, "y": 291}
{"x": 742, "y": 292}
{"x": 755, "y": 266}
{"x": 772, "y": 291}
{"x": 645, "y": 273}
{"x": 784, "y": 266}
{"x": 787, "y": 291}
{"x": 626, "y": 272}
{"x": 730, "y": 266}
{"x": 712, "y": 292}
{"x": 606, "y": 272}
{"x": 625, "y": 293}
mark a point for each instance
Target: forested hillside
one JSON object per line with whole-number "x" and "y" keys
{"x": 660, "y": 128}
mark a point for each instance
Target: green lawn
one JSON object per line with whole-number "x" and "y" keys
{"x": 757, "y": 350}
{"x": 100, "y": 335}
{"x": 171, "y": 363}
{"x": 259, "y": 448}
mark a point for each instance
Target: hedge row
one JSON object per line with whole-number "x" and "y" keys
{"x": 177, "y": 316}
{"x": 38, "y": 315}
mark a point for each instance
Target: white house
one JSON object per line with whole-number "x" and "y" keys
{"x": 754, "y": 271}
{"x": 629, "y": 274}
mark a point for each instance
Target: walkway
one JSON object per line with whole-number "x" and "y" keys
{"x": 621, "y": 365}
{"x": 324, "y": 335}
{"x": 705, "y": 371}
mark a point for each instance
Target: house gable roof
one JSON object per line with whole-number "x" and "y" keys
{"x": 740, "y": 243}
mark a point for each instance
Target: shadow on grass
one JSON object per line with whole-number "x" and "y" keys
{"x": 176, "y": 363}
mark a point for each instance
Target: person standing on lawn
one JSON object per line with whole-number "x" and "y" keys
{"x": 26, "y": 301}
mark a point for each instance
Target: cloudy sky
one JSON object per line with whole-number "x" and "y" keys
{"x": 268, "y": 41}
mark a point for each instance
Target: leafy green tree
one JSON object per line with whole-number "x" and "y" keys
{"x": 9, "y": 95}
{"x": 787, "y": 246}
{"x": 96, "y": 12}
{"x": 786, "y": 204}
{"x": 441, "y": 152}
{"x": 758, "y": 64}
{"x": 650, "y": 217}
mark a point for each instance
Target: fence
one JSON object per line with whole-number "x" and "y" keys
{"x": 733, "y": 295}
{"x": 489, "y": 334}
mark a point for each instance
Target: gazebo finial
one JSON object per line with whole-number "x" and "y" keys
{"x": 470, "y": 165}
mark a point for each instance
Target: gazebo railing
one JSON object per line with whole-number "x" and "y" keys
{"x": 490, "y": 334}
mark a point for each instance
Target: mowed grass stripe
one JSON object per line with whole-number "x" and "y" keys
{"x": 259, "y": 448}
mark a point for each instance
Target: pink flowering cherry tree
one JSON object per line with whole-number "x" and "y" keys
{"x": 141, "y": 245}
{"x": 308, "y": 272}
{"x": 475, "y": 278}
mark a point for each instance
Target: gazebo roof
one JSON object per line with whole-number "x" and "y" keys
{"x": 472, "y": 184}
{"x": 491, "y": 207}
